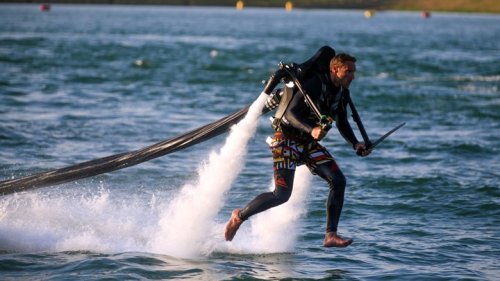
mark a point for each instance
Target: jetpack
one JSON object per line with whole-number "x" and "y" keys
{"x": 292, "y": 72}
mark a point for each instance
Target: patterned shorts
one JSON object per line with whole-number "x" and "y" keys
{"x": 288, "y": 154}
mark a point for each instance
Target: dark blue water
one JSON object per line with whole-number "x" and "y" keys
{"x": 83, "y": 82}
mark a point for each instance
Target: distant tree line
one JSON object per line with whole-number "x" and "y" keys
{"x": 333, "y": 4}
{"x": 487, "y": 6}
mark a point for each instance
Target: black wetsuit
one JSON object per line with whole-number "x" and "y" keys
{"x": 293, "y": 145}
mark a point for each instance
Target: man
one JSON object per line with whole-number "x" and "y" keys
{"x": 296, "y": 142}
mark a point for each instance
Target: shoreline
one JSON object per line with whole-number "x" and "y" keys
{"x": 464, "y": 6}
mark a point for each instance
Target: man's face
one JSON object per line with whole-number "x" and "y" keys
{"x": 345, "y": 73}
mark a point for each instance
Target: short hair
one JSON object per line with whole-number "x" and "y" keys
{"x": 341, "y": 59}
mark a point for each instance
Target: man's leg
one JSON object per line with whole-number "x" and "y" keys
{"x": 283, "y": 184}
{"x": 337, "y": 183}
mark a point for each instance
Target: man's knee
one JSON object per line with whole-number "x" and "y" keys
{"x": 338, "y": 181}
{"x": 283, "y": 185}
{"x": 282, "y": 195}
{"x": 333, "y": 175}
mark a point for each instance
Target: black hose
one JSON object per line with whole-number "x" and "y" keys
{"x": 122, "y": 160}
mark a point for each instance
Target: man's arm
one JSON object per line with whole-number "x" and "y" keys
{"x": 346, "y": 131}
{"x": 296, "y": 114}
{"x": 299, "y": 113}
{"x": 345, "y": 128}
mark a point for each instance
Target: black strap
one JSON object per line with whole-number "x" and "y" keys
{"x": 291, "y": 69}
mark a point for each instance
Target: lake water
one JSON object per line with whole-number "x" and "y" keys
{"x": 83, "y": 82}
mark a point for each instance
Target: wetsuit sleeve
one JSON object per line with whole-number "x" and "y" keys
{"x": 298, "y": 112}
{"x": 343, "y": 125}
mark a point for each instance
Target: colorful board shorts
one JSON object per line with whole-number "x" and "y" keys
{"x": 288, "y": 154}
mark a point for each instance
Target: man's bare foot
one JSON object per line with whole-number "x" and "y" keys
{"x": 333, "y": 240}
{"x": 232, "y": 225}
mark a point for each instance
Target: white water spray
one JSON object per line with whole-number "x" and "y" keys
{"x": 72, "y": 221}
{"x": 182, "y": 227}
{"x": 187, "y": 220}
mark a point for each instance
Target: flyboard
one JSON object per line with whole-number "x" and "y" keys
{"x": 318, "y": 62}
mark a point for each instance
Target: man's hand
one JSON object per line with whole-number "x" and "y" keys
{"x": 361, "y": 149}
{"x": 318, "y": 133}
